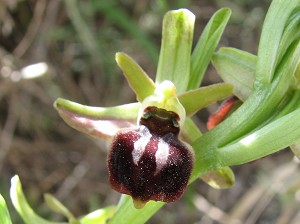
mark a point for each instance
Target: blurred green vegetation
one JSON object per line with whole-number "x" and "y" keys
{"x": 78, "y": 40}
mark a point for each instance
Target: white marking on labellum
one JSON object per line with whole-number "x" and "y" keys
{"x": 140, "y": 145}
{"x": 161, "y": 155}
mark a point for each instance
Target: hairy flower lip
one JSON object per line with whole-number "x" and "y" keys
{"x": 155, "y": 176}
{"x": 149, "y": 162}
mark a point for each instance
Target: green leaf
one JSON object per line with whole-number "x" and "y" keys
{"x": 206, "y": 46}
{"x": 271, "y": 138}
{"x": 291, "y": 32}
{"x": 58, "y": 207}
{"x": 251, "y": 115}
{"x": 138, "y": 80}
{"x": 23, "y": 208}
{"x": 175, "y": 52}
{"x": 236, "y": 67}
{"x": 99, "y": 122}
{"x": 4, "y": 214}
{"x": 100, "y": 216}
{"x": 194, "y": 100}
{"x": 273, "y": 28}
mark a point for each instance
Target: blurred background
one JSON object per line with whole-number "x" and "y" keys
{"x": 51, "y": 49}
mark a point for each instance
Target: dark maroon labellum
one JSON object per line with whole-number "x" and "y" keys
{"x": 150, "y": 162}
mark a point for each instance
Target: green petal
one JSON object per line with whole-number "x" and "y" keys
{"x": 138, "y": 80}
{"x": 175, "y": 52}
{"x": 4, "y": 214}
{"x": 195, "y": 100}
{"x": 236, "y": 67}
{"x": 23, "y": 208}
{"x": 206, "y": 46}
{"x": 99, "y": 122}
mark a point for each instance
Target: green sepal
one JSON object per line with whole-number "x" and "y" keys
{"x": 236, "y": 67}
{"x": 175, "y": 52}
{"x": 56, "y": 206}
{"x": 138, "y": 80}
{"x": 23, "y": 208}
{"x": 99, "y": 122}
{"x": 206, "y": 46}
{"x": 195, "y": 100}
{"x": 124, "y": 112}
{"x": 4, "y": 214}
{"x": 100, "y": 216}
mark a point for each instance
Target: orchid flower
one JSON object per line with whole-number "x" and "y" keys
{"x": 156, "y": 149}
{"x": 150, "y": 157}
